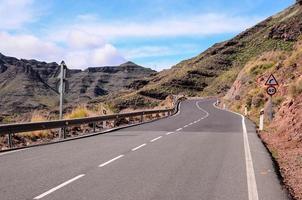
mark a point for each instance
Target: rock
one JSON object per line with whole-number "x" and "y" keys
{"x": 290, "y": 103}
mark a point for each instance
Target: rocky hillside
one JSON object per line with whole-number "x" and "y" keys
{"x": 213, "y": 71}
{"x": 283, "y": 136}
{"x": 28, "y": 85}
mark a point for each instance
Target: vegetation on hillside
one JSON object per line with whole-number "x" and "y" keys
{"x": 284, "y": 135}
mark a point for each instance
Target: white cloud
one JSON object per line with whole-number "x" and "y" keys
{"x": 84, "y": 43}
{"x": 200, "y": 25}
{"x": 75, "y": 55}
{"x": 15, "y": 13}
{"x": 101, "y": 56}
{"x": 81, "y": 39}
{"x": 28, "y": 46}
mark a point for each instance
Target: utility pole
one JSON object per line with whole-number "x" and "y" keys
{"x": 62, "y": 90}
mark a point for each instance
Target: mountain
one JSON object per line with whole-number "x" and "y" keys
{"x": 213, "y": 71}
{"x": 28, "y": 85}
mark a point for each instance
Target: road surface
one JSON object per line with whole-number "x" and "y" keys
{"x": 202, "y": 153}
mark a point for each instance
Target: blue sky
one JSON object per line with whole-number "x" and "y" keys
{"x": 156, "y": 34}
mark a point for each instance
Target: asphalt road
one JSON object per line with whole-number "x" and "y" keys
{"x": 202, "y": 153}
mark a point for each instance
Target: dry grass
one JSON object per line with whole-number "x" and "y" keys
{"x": 37, "y": 117}
{"x": 79, "y": 112}
{"x": 295, "y": 89}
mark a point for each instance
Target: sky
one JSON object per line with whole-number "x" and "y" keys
{"x": 152, "y": 33}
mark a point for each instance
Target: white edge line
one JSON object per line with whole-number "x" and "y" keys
{"x": 156, "y": 139}
{"x": 110, "y": 161}
{"x": 59, "y": 186}
{"x": 140, "y": 146}
{"x": 10, "y": 152}
{"x": 250, "y": 173}
{"x": 178, "y": 110}
{"x": 169, "y": 133}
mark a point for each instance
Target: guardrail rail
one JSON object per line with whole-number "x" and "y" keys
{"x": 62, "y": 125}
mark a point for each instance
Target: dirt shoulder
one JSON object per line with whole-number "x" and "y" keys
{"x": 284, "y": 140}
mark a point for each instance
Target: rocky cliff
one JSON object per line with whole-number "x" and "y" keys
{"x": 28, "y": 85}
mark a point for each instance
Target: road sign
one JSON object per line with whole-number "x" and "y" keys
{"x": 271, "y": 90}
{"x": 271, "y": 81}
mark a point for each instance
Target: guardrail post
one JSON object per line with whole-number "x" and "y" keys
{"x": 261, "y": 121}
{"x": 64, "y": 132}
{"x": 94, "y": 126}
{"x": 10, "y": 140}
{"x": 142, "y": 117}
{"x": 115, "y": 121}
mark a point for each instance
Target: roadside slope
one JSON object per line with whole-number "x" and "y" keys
{"x": 284, "y": 135}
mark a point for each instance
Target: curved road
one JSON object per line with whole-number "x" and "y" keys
{"x": 202, "y": 153}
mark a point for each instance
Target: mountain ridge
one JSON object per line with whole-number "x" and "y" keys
{"x": 27, "y": 85}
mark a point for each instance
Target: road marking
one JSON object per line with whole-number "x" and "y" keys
{"x": 169, "y": 133}
{"x": 9, "y": 152}
{"x": 156, "y": 139}
{"x": 110, "y": 161}
{"x": 140, "y": 146}
{"x": 178, "y": 110}
{"x": 203, "y": 110}
{"x": 179, "y": 129}
{"x": 59, "y": 186}
{"x": 250, "y": 173}
{"x": 186, "y": 126}
{"x": 191, "y": 123}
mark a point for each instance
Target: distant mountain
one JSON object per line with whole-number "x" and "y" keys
{"x": 27, "y": 85}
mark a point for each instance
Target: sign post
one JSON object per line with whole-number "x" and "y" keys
{"x": 271, "y": 90}
{"x": 62, "y": 90}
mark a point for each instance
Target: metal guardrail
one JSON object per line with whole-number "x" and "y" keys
{"x": 10, "y": 129}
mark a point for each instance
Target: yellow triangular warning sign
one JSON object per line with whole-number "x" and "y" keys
{"x": 271, "y": 80}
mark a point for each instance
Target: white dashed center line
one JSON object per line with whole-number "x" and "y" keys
{"x": 169, "y": 133}
{"x": 59, "y": 186}
{"x": 156, "y": 139}
{"x": 110, "y": 161}
{"x": 179, "y": 129}
{"x": 186, "y": 126}
{"x": 140, "y": 146}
